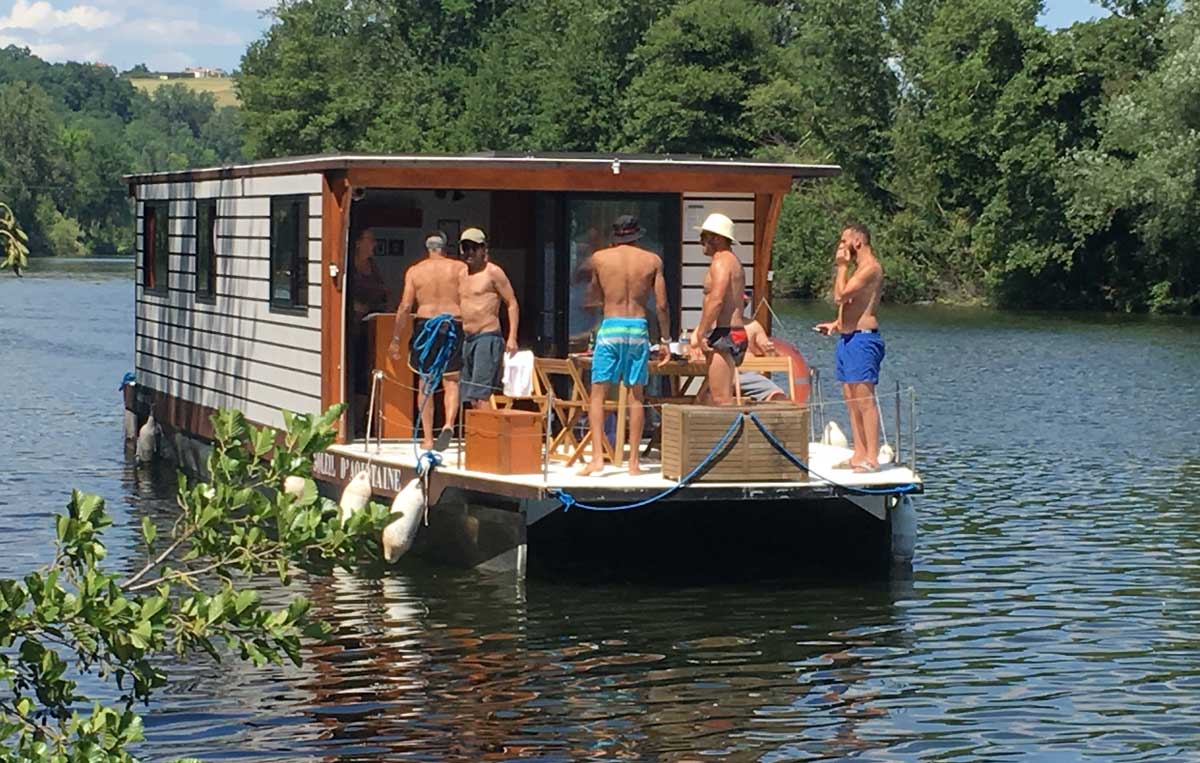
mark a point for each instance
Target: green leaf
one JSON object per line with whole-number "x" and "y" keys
{"x": 149, "y": 531}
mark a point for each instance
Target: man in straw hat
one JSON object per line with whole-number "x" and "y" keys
{"x": 484, "y": 287}
{"x": 860, "y": 347}
{"x": 431, "y": 289}
{"x": 721, "y": 336}
{"x": 623, "y": 279}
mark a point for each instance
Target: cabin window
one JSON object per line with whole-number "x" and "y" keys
{"x": 289, "y": 252}
{"x": 206, "y": 249}
{"x": 155, "y": 253}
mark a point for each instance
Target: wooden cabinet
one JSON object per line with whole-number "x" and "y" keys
{"x": 399, "y": 400}
{"x": 504, "y": 441}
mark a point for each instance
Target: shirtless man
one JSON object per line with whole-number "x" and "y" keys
{"x": 860, "y": 348}
{"x": 624, "y": 276}
{"x": 483, "y": 287}
{"x": 721, "y": 335}
{"x": 431, "y": 288}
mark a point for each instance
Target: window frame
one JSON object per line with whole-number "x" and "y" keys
{"x": 297, "y": 301}
{"x": 206, "y": 290}
{"x": 156, "y": 271}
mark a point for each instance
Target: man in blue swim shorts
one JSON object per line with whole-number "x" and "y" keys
{"x": 623, "y": 278}
{"x": 860, "y": 348}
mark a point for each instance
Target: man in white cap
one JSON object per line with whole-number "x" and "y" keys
{"x": 431, "y": 289}
{"x": 623, "y": 279}
{"x": 721, "y": 335}
{"x": 483, "y": 288}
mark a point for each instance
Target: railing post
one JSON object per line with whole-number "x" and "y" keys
{"x": 912, "y": 430}
{"x": 896, "y": 457}
{"x": 546, "y": 447}
{"x": 462, "y": 427}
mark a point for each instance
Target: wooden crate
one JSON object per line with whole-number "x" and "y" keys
{"x": 504, "y": 441}
{"x": 689, "y": 433}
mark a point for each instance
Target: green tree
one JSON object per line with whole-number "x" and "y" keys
{"x": 1135, "y": 201}
{"x": 78, "y": 616}
{"x": 694, "y": 73}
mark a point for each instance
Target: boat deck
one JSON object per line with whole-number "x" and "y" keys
{"x": 393, "y": 463}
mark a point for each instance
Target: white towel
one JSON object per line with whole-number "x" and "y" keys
{"x": 518, "y": 374}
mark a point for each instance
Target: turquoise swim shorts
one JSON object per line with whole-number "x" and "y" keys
{"x": 622, "y": 352}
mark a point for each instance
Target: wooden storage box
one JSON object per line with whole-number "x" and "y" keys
{"x": 689, "y": 433}
{"x": 504, "y": 442}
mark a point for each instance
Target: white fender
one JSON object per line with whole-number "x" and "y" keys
{"x": 407, "y": 508}
{"x": 355, "y": 496}
{"x": 904, "y": 530}
{"x": 293, "y": 485}
{"x": 835, "y": 436}
{"x": 886, "y": 454}
{"x": 147, "y": 440}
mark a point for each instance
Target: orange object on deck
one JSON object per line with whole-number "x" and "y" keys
{"x": 504, "y": 441}
{"x": 399, "y": 382}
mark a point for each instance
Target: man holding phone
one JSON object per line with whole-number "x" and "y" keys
{"x": 860, "y": 348}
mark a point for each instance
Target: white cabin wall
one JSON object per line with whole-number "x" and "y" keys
{"x": 738, "y": 207}
{"x": 234, "y": 351}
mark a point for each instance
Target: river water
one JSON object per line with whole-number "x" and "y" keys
{"x": 1053, "y": 614}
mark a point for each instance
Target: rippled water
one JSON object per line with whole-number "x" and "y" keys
{"x": 1054, "y": 612}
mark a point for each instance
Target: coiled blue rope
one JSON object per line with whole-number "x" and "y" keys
{"x": 897, "y": 490}
{"x": 568, "y": 500}
{"x": 434, "y": 356}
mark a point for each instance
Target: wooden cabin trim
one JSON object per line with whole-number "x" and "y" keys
{"x": 335, "y": 231}
{"x": 591, "y": 179}
{"x": 767, "y": 207}
{"x": 502, "y": 166}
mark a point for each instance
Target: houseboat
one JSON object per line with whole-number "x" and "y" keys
{"x": 255, "y": 290}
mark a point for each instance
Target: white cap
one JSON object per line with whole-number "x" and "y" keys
{"x": 474, "y": 235}
{"x": 719, "y": 224}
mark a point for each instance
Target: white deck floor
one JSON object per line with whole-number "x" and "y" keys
{"x": 560, "y": 476}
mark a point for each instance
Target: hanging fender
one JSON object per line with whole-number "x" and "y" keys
{"x": 408, "y": 507}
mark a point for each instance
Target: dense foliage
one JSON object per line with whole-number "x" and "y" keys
{"x": 996, "y": 160}
{"x": 79, "y": 616}
{"x": 72, "y": 130}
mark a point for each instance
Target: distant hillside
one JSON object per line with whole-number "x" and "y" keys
{"x": 220, "y": 87}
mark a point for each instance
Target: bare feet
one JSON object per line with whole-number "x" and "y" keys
{"x": 595, "y": 467}
{"x": 634, "y": 467}
{"x": 426, "y": 444}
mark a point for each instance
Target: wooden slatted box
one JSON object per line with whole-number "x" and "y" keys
{"x": 689, "y": 433}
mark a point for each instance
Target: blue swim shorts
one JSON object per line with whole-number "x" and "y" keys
{"x": 859, "y": 356}
{"x": 622, "y": 352}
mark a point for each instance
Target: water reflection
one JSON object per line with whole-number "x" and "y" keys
{"x": 627, "y": 674}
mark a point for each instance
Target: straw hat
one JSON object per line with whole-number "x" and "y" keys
{"x": 720, "y": 225}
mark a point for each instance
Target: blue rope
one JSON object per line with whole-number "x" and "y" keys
{"x": 897, "y": 490}
{"x": 569, "y": 501}
{"x": 427, "y": 462}
{"x": 435, "y": 356}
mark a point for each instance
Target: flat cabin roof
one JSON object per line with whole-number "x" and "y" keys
{"x": 488, "y": 162}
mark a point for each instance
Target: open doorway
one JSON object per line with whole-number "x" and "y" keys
{"x": 388, "y": 228}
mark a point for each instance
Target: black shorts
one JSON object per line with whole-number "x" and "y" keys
{"x": 730, "y": 340}
{"x": 453, "y": 363}
{"x": 482, "y": 364}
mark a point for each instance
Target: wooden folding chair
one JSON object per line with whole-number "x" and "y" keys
{"x": 771, "y": 364}
{"x": 568, "y": 408}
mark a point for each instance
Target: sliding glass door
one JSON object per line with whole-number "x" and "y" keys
{"x": 587, "y": 226}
